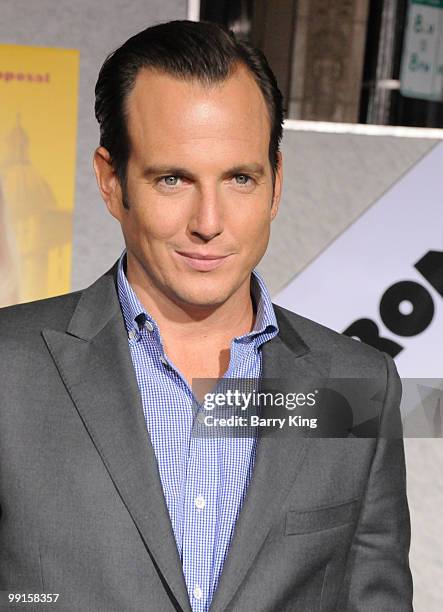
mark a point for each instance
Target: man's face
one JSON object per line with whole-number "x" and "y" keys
{"x": 199, "y": 184}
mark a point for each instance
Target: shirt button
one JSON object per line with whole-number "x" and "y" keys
{"x": 198, "y": 593}
{"x": 200, "y": 502}
{"x": 201, "y": 417}
{"x": 132, "y": 334}
{"x": 149, "y": 326}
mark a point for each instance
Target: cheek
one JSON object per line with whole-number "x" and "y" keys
{"x": 258, "y": 240}
{"x": 156, "y": 221}
{"x": 252, "y": 221}
{"x": 254, "y": 235}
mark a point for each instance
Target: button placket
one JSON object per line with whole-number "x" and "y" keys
{"x": 199, "y": 523}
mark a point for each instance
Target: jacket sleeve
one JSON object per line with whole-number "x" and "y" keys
{"x": 378, "y": 577}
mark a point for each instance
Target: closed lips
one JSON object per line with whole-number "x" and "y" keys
{"x": 199, "y": 256}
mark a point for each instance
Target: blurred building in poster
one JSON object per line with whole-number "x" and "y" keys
{"x": 38, "y": 124}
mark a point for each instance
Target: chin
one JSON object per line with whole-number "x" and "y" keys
{"x": 202, "y": 298}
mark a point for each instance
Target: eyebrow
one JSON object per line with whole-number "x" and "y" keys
{"x": 253, "y": 168}
{"x": 256, "y": 169}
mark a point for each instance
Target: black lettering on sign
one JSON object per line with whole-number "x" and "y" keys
{"x": 431, "y": 267}
{"x": 413, "y": 322}
{"x": 406, "y": 308}
{"x": 368, "y": 332}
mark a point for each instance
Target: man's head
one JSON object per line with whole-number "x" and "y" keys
{"x": 189, "y": 163}
{"x": 186, "y": 50}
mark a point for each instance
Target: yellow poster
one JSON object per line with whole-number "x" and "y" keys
{"x": 38, "y": 129}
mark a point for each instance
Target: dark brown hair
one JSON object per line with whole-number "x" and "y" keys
{"x": 184, "y": 49}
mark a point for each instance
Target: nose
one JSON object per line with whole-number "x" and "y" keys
{"x": 207, "y": 217}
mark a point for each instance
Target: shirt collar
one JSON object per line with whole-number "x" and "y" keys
{"x": 133, "y": 312}
{"x": 135, "y": 315}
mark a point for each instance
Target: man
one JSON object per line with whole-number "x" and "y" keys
{"x": 108, "y": 497}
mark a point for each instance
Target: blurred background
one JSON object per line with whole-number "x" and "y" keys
{"x": 349, "y": 61}
{"x": 358, "y": 241}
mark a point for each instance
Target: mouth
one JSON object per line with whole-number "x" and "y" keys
{"x": 203, "y": 263}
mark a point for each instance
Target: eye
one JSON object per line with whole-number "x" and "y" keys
{"x": 243, "y": 179}
{"x": 169, "y": 181}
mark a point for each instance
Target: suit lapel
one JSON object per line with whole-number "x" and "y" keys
{"x": 289, "y": 362}
{"x": 94, "y": 361}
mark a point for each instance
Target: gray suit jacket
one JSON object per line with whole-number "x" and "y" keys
{"x": 324, "y": 526}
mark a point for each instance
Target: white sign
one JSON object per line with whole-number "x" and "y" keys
{"x": 382, "y": 279}
{"x": 421, "y": 73}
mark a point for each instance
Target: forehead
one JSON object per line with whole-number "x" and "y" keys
{"x": 166, "y": 111}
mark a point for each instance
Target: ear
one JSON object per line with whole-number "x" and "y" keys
{"x": 108, "y": 182}
{"x": 278, "y": 183}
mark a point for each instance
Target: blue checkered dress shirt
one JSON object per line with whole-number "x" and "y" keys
{"x": 204, "y": 479}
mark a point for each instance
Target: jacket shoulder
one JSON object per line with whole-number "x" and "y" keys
{"x": 54, "y": 312}
{"x": 349, "y": 357}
